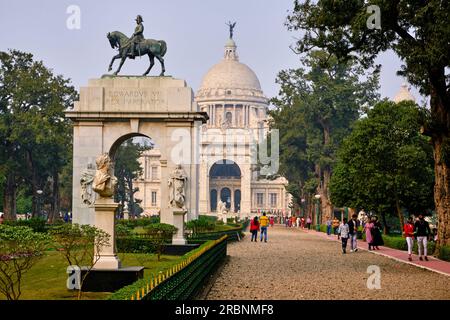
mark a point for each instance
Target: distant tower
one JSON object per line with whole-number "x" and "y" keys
{"x": 404, "y": 94}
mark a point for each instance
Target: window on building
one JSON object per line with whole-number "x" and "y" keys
{"x": 155, "y": 173}
{"x": 154, "y": 198}
{"x": 260, "y": 199}
{"x": 273, "y": 199}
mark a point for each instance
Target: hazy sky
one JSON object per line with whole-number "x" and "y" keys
{"x": 194, "y": 30}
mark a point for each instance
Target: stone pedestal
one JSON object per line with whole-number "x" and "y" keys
{"x": 178, "y": 222}
{"x": 104, "y": 220}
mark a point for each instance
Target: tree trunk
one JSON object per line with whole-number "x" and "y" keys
{"x": 442, "y": 195}
{"x": 326, "y": 206}
{"x": 9, "y": 197}
{"x": 386, "y": 227}
{"x": 131, "y": 209}
{"x": 34, "y": 186}
{"x": 399, "y": 212}
{"x": 55, "y": 204}
{"x": 440, "y": 134}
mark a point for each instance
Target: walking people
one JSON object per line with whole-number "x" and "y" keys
{"x": 344, "y": 233}
{"x": 294, "y": 221}
{"x": 263, "y": 223}
{"x": 408, "y": 233}
{"x": 254, "y": 228}
{"x": 308, "y": 222}
{"x": 335, "y": 224}
{"x": 368, "y": 230}
{"x": 298, "y": 222}
{"x": 377, "y": 239}
{"x": 422, "y": 232}
{"x": 272, "y": 221}
{"x": 328, "y": 222}
{"x": 353, "y": 225}
{"x": 303, "y": 222}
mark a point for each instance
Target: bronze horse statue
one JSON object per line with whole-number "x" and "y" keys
{"x": 153, "y": 48}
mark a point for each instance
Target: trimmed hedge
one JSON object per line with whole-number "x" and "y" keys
{"x": 141, "y": 222}
{"x": 37, "y": 224}
{"x": 135, "y": 245}
{"x": 126, "y": 292}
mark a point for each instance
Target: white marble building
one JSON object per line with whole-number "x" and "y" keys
{"x": 231, "y": 95}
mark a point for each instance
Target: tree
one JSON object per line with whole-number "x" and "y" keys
{"x": 80, "y": 246}
{"x": 20, "y": 249}
{"x": 160, "y": 234}
{"x": 314, "y": 112}
{"x": 419, "y": 33}
{"x": 35, "y": 135}
{"x": 127, "y": 169}
{"x": 385, "y": 165}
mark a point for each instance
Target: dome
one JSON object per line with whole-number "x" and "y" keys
{"x": 230, "y": 74}
{"x": 403, "y": 94}
{"x": 230, "y": 79}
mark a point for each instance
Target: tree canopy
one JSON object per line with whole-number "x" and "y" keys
{"x": 314, "y": 111}
{"x": 385, "y": 165}
{"x": 35, "y": 136}
{"x": 419, "y": 33}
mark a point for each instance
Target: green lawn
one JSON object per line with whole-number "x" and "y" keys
{"x": 47, "y": 279}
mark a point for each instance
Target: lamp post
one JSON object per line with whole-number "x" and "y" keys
{"x": 317, "y": 197}
{"x": 39, "y": 194}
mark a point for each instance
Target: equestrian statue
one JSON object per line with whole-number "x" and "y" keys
{"x": 137, "y": 45}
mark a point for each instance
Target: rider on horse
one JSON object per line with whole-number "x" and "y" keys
{"x": 138, "y": 36}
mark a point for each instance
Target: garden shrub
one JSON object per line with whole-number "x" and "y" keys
{"x": 202, "y": 224}
{"x": 160, "y": 234}
{"x": 36, "y": 224}
{"x": 444, "y": 253}
{"x": 20, "y": 249}
{"x": 141, "y": 222}
{"x": 135, "y": 245}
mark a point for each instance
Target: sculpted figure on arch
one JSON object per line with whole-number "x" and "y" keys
{"x": 177, "y": 188}
{"x": 104, "y": 180}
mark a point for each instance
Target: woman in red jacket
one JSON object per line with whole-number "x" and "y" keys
{"x": 254, "y": 228}
{"x": 408, "y": 233}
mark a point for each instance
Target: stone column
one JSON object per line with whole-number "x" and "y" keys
{"x": 204, "y": 188}
{"x": 166, "y": 214}
{"x": 245, "y": 190}
{"x": 178, "y": 222}
{"x": 104, "y": 220}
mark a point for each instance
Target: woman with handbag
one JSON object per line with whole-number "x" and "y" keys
{"x": 254, "y": 228}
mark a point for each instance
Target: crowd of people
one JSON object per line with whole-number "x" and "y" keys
{"x": 418, "y": 230}
{"x": 347, "y": 231}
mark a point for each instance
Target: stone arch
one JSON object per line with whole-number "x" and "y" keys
{"x": 111, "y": 110}
{"x": 113, "y": 149}
{"x": 225, "y": 177}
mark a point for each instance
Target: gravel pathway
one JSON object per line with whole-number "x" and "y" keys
{"x": 297, "y": 265}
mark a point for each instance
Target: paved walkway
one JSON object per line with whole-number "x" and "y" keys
{"x": 433, "y": 264}
{"x": 306, "y": 265}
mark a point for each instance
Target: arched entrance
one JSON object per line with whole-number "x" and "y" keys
{"x": 213, "y": 198}
{"x": 225, "y": 178}
{"x": 112, "y": 110}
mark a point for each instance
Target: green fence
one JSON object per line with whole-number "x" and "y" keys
{"x": 181, "y": 282}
